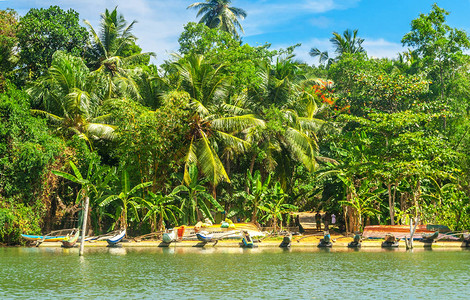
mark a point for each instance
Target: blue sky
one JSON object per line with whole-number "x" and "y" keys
{"x": 382, "y": 23}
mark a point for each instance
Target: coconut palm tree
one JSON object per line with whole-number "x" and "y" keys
{"x": 219, "y": 14}
{"x": 68, "y": 95}
{"x": 289, "y": 135}
{"x": 211, "y": 125}
{"x": 349, "y": 42}
{"x": 109, "y": 55}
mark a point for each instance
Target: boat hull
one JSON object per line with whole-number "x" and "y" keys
{"x": 29, "y": 237}
{"x": 117, "y": 238}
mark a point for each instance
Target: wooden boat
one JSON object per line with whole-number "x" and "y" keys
{"x": 169, "y": 237}
{"x": 43, "y": 238}
{"x": 325, "y": 241}
{"x": 399, "y": 231}
{"x": 204, "y": 236}
{"x": 247, "y": 241}
{"x": 356, "y": 243}
{"x": 117, "y": 238}
{"x": 53, "y": 236}
{"x": 429, "y": 237}
{"x": 71, "y": 240}
{"x": 286, "y": 241}
{"x": 390, "y": 241}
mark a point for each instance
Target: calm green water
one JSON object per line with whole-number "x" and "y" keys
{"x": 217, "y": 273}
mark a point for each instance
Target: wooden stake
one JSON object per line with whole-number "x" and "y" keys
{"x": 85, "y": 218}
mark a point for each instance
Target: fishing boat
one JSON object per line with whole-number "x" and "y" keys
{"x": 43, "y": 238}
{"x": 286, "y": 241}
{"x": 356, "y": 243}
{"x": 399, "y": 231}
{"x": 53, "y": 236}
{"x": 325, "y": 242}
{"x": 169, "y": 237}
{"x": 247, "y": 241}
{"x": 204, "y": 236}
{"x": 390, "y": 241}
{"x": 113, "y": 241}
{"x": 71, "y": 239}
{"x": 429, "y": 237}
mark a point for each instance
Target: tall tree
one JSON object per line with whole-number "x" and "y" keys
{"x": 349, "y": 42}
{"x": 44, "y": 31}
{"x": 67, "y": 96}
{"x": 219, "y": 13}
{"x": 438, "y": 46}
{"x": 112, "y": 53}
{"x": 8, "y": 42}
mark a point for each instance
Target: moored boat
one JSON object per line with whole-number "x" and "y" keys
{"x": 43, "y": 238}
{"x": 247, "y": 241}
{"x": 325, "y": 241}
{"x": 169, "y": 237}
{"x": 113, "y": 241}
{"x": 71, "y": 239}
{"x": 204, "y": 236}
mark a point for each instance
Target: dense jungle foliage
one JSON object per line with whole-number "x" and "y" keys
{"x": 226, "y": 129}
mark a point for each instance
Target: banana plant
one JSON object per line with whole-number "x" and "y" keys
{"x": 161, "y": 206}
{"x": 124, "y": 200}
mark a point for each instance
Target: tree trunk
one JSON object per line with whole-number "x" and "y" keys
{"x": 391, "y": 204}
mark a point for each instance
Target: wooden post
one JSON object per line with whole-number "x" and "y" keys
{"x": 409, "y": 244}
{"x": 85, "y": 218}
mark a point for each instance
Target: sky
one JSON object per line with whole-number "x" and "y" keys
{"x": 382, "y": 23}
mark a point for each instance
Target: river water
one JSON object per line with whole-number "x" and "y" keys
{"x": 223, "y": 273}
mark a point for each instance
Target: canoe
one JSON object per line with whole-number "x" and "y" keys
{"x": 399, "y": 231}
{"x": 71, "y": 239}
{"x": 29, "y": 237}
{"x": 204, "y": 236}
{"x": 117, "y": 238}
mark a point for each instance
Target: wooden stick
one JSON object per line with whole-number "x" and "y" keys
{"x": 85, "y": 217}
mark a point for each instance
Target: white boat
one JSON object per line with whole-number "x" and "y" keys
{"x": 169, "y": 237}
{"x": 117, "y": 238}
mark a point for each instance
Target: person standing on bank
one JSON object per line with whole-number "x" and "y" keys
{"x": 318, "y": 220}
{"x": 326, "y": 220}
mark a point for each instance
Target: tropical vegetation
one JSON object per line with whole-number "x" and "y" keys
{"x": 225, "y": 129}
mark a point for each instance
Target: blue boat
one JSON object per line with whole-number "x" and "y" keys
{"x": 247, "y": 241}
{"x": 204, "y": 236}
{"x": 117, "y": 238}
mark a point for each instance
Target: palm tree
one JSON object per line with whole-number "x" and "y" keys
{"x": 68, "y": 96}
{"x": 347, "y": 43}
{"x": 211, "y": 124}
{"x": 109, "y": 53}
{"x": 219, "y": 14}
{"x": 323, "y": 57}
{"x": 289, "y": 134}
{"x": 123, "y": 200}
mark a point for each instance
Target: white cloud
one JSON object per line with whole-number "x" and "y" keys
{"x": 382, "y": 48}
{"x": 264, "y": 15}
{"x": 321, "y": 22}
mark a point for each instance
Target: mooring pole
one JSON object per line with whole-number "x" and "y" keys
{"x": 85, "y": 218}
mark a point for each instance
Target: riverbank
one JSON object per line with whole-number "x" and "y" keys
{"x": 339, "y": 241}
